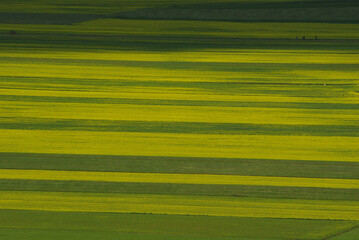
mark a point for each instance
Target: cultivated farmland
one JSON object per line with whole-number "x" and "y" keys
{"x": 176, "y": 120}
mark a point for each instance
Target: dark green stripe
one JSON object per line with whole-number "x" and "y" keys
{"x": 159, "y": 42}
{"x": 255, "y": 167}
{"x": 178, "y": 127}
{"x": 181, "y": 189}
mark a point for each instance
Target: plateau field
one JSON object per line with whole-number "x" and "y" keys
{"x": 183, "y": 120}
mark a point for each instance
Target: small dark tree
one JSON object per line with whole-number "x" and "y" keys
{"x": 12, "y": 32}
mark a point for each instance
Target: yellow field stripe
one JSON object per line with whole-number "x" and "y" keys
{"x": 177, "y": 178}
{"x": 221, "y": 56}
{"x": 306, "y": 148}
{"x": 138, "y": 112}
{"x": 168, "y": 204}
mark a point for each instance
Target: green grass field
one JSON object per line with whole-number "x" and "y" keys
{"x": 179, "y": 120}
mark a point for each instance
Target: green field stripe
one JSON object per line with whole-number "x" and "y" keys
{"x": 182, "y": 205}
{"x": 177, "y": 127}
{"x": 175, "y": 225}
{"x": 169, "y": 164}
{"x": 38, "y": 39}
{"x": 181, "y": 189}
{"x": 178, "y": 178}
{"x": 99, "y": 100}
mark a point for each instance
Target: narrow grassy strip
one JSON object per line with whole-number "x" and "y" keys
{"x": 177, "y": 178}
{"x": 192, "y": 205}
{"x": 181, "y": 189}
{"x": 189, "y": 165}
{"x": 175, "y": 225}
